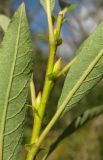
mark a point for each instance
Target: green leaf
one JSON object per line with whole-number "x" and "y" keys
{"x": 76, "y": 124}
{"x": 15, "y": 73}
{"x": 85, "y": 72}
{"x": 43, "y": 3}
{"x": 4, "y": 22}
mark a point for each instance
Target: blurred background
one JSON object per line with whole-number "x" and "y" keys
{"x": 87, "y": 142}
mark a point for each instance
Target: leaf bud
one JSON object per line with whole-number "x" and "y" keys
{"x": 38, "y": 100}
{"x": 57, "y": 66}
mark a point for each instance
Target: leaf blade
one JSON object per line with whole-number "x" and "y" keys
{"x": 16, "y": 73}
{"x": 86, "y": 71}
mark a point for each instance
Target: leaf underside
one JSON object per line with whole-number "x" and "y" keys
{"x": 15, "y": 74}
{"x": 86, "y": 71}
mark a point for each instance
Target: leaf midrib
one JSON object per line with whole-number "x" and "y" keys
{"x": 80, "y": 81}
{"x": 3, "y": 123}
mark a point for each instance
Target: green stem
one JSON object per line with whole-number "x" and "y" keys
{"x": 46, "y": 131}
{"x": 50, "y": 23}
{"x": 48, "y": 85}
{"x": 38, "y": 121}
{"x": 55, "y": 117}
{"x": 46, "y": 92}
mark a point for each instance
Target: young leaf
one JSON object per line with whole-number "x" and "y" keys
{"x": 85, "y": 72}
{"x": 76, "y": 124}
{"x": 43, "y": 3}
{"x": 15, "y": 73}
{"x": 4, "y": 22}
